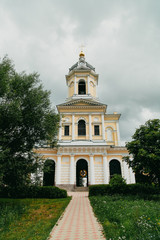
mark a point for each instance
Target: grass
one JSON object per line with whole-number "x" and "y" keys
{"x": 29, "y": 219}
{"x": 128, "y": 217}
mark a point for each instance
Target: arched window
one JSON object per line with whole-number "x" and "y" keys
{"x": 81, "y": 87}
{"x": 49, "y": 173}
{"x": 114, "y": 167}
{"x": 81, "y": 128}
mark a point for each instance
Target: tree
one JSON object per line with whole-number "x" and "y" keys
{"x": 26, "y": 119}
{"x": 145, "y": 149}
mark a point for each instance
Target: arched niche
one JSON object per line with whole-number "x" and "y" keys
{"x": 109, "y": 131}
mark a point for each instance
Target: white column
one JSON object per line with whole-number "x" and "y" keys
{"x": 133, "y": 180}
{"x": 72, "y": 170}
{"x": 90, "y": 128}
{"x": 88, "y": 85}
{"x": 105, "y": 170}
{"x": 75, "y": 84}
{"x": 58, "y": 171}
{"x": 118, "y": 134}
{"x": 92, "y": 178}
{"x": 60, "y": 128}
{"x": 103, "y": 130}
{"x": 126, "y": 172}
{"x": 73, "y": 127}
{"x": 132, "y": 174}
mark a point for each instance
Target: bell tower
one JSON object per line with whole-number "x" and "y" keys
{"x": 82, "y": 80}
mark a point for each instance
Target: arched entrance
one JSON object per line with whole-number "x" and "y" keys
{"x": 114, "y": 167}
{"x": 49, "y": 173}
{"x": 82, "y": 173}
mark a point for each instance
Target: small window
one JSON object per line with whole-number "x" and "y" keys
{"x": 66, "y": 131}
{"x": 96, "y": 130}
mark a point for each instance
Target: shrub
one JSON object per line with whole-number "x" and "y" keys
{"x": 101, "y": 189}
{"x": 142, "y": 189}
{"x": 33, "y": 192}
{"x": 117, "y": 180}
{"x": 126, "y": 189}
{"x": 117, "y": 184}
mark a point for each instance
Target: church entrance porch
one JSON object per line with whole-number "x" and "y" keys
{"x": 82, "y": 173}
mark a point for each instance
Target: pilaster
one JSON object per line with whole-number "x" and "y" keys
{"x": 90, "y": 128}
{"x": 105, "y": 169}
{"x": 118, "y": 134}
{"x": 103, "y": 129}
{"x": 73, "y": 127}
{"x": 58, "y": 170}
{"x": 60, "y": 128}
{"x": 72, "y": 169}
{"x": 126, "y": 172}
{"x": 75, "y": 84}
{"x": 88, "y": 85}
{"x": 92, "y": 177}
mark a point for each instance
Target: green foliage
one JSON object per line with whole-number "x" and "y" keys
{"x": 26, "y": 119}
{"x": 33, "y": 192}
{"x": 29, "y": 218}
{"x": 118, "y": 184}
{"x": 99, "y": 190}
{"x": 125, "y": 189}
{"x": 145, "y": 149}
{"x": 128, "y": 217}
{"x": 117, "y": 180}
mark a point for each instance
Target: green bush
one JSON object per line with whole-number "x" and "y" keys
{"x": 118, "y": 184}
{"x": 100, "y": 189}
{"x": 126, "y": 189}
{"x": 33, "y": 192}
{"x": 117, "y": 180}
{"x": 142, "y": 189}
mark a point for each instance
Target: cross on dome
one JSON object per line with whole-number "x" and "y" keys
{"x": 82, "y": 53}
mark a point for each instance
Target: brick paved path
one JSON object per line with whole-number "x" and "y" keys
{"x": 78, "y": 221}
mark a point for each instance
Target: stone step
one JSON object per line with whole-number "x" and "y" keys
{"x": 81, "y": 189}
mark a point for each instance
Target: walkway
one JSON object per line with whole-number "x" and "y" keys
{"x": 78, "y": 221}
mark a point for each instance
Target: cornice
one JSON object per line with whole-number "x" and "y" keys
{"x": 73, "y": 72}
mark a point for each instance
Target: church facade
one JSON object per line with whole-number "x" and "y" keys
{"x": 89, "y": 150}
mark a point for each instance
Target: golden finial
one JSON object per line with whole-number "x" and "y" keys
{"x": 82, "y": 53}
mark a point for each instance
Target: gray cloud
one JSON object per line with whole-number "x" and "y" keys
{"x": 122, "y": 41}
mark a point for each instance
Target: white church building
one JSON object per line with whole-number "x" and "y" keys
{"x": 89, "y": 149}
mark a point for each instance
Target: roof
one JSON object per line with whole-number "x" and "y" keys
{"x": 82, "y": 101}
{"x": 82, "y": 64}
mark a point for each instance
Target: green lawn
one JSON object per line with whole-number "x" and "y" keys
{"x": 29, "y": 219}
{"x": 129, "y": 217}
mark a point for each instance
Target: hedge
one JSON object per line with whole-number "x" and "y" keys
{"x": 33, "y": 192}
{"x": 128, "y": 189}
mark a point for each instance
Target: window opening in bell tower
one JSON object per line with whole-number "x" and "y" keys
{"x": 82, "y": 87}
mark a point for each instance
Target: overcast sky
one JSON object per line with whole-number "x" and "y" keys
{"x": 122, "y": 39}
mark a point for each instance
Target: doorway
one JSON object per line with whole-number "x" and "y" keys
{"x": 82, "y": 173}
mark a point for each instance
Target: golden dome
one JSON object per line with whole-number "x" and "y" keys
{"x": 81, "y": 54}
